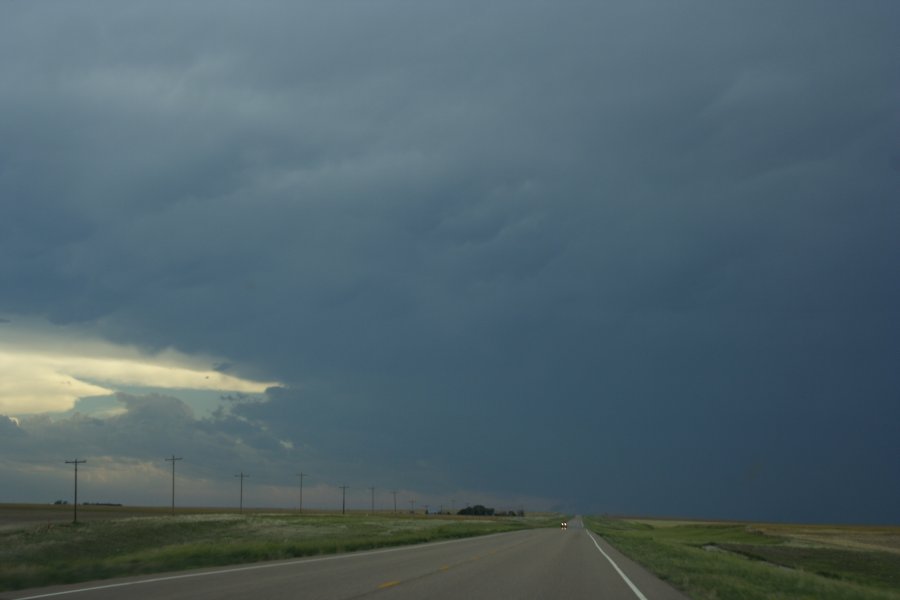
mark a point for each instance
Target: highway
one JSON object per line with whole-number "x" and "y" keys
{"x": 532, "y": 564}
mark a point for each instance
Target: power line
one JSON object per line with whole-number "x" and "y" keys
{"x": 301, "y": 475}
{"x": 242, "y": 476}
{"x": 75, "y": 462}
{"x": 173, "y": 460}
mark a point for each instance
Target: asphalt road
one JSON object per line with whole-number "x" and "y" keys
{"x": 542, "y": 563}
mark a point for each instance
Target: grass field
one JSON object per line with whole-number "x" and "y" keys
{"x": 37, "y": 548}
{"x": 741, "y": 561}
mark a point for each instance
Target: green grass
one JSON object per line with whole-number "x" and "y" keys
{"x": 712, "y": 561}
{"x": 68, "y": 553}
{"x": 876, "y": 568}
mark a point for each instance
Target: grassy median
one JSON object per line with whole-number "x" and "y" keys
{"x": 715, "y": 561}
{"x": 39, "y": 555}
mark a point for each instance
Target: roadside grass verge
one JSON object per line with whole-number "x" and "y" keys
{"x": 69, "y": 553}
{"x": 714, "y": 561}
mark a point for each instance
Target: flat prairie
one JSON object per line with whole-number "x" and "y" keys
{"x": 855, "y": 537}
{"x": 721, "y": 559}
{"x": 18, "y": 516}
{"x": 40, "y": 545}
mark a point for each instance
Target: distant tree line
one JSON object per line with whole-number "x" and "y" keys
{"x": 483, "y": 511}
{"x": 91, "y": 503}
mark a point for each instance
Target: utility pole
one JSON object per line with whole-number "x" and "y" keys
{"x": 242, "y": 476}
{"x": 173, "y": 460}
{"x": 426, "y": 509}
{"x": 412, "y": 506}
{"x": 344, "y": 499}
{"x": 301, "y": 475}
{"x": 394, "y": 492}
{"x": 373, "y": 499}
{"x": 75, "y": 462}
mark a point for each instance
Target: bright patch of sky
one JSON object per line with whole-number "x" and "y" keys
{"x": 44, "y": 369}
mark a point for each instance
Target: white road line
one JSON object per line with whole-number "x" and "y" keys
{"x": 269, "y": 565}
{"x": 633, "y": 587}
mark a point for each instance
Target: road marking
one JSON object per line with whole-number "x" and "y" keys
{"x": 270, "y": 565}
{"x": 633, "y": 587}
{"x": 388, "y": 584}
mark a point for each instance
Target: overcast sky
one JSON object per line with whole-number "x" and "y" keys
{"x": 624, "y": 256}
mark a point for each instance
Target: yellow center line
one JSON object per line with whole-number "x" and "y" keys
{"x": 388, "y": 584}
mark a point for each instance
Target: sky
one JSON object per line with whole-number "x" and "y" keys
{"x": 627, "y": 257}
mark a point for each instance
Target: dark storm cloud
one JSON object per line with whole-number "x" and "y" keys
{"x": 145, "y": 430}
{"x": 624, "y": 244}
{"x": 9, "y": 427}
